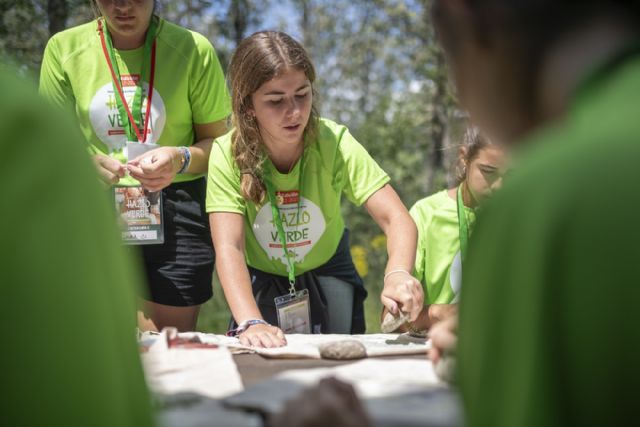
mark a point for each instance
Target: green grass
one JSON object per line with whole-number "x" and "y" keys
{"x": 214, "y": 314}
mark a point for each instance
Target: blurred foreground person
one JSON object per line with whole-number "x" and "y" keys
{"x": 70, "y": 355}
{"x": 331, "y": 403}
{"x": 548, "y": 334}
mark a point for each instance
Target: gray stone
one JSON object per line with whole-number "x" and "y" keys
{"x": 343, "y": 350}
{"x": 391, "y": 323}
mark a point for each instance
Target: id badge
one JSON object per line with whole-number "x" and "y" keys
{"x": 140, "y": 215}
{"x": 134, "y": 149}
{"x": 139, "y": 211}
{"x": 293, "y": 313}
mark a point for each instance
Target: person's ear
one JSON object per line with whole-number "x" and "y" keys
{"x": 462, "y": 153}
{"x": 250, "y": 112}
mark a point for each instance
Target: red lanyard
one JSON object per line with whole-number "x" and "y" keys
{"x": 107, "y": 50}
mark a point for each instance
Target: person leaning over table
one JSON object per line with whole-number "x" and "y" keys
{"x": 284, "y": 168}
{"x": 181, "y": 104}
{"x": 69, "y": 346}
{"x": 445, "y": 222}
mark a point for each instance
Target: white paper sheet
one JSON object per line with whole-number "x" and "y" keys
{"x": 303, "y": 346}
{"x": 374, "y": 378}
{"x": 306, "y": 346}
{"x": 399, "y": 392}
{"x": 206, "y": 372}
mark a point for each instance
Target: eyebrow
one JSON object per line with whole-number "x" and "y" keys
{"x": 275, "y": 92}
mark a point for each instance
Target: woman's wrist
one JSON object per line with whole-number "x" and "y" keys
{"x": 184, "y": 158}
{"x": 395, "y": 271}
{"x": 438, "y": 312}
{"x": 243, "y": 326}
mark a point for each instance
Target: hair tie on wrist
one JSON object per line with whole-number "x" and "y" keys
{"x": 400, "y": 270}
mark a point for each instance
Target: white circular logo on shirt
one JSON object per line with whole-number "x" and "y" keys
{"x": 302, "y": 230}
{"x": 106, "y": 120}
{"x": 455, "y": 275}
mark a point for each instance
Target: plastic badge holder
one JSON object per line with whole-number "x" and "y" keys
{"x": 294, "y": 313}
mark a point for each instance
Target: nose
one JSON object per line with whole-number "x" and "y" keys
{"x": 293, "y": 108}
{"x": 497, "y": 184}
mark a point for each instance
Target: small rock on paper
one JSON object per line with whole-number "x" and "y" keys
{"x": 343, "y": 350}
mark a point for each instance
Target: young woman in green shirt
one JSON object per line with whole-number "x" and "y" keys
{"x": 135, "y": 80}
{"x": 445, "y": 221}
{"x": 275, "y": 182}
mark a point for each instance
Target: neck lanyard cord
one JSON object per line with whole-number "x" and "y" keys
{"x": 463, "y": 225}
{"x": 275, "y": 212}
{"x": 131, "y": 127}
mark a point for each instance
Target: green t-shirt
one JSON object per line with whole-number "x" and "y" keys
{"x": 189, "y": 87}
{"x": 438, "y": 260}
{"x": 70, "y": 355}
{"x": 334, "y": 164}
{"x": 549, "y": 328}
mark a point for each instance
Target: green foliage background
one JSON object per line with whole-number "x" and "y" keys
{"x": 379, "y": 70}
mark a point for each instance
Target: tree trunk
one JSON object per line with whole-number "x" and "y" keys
{"x": 239, "y": 18}
{"x": 305, "y": 24}
{"x": 57, "y": 11}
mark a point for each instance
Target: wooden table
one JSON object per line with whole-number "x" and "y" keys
{"x": 254, "y": 368}
{"x": 438, "y": 407}
{"x": 431, "y": 407}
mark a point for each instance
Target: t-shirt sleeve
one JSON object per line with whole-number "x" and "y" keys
{"x": 53, "y": 82}
{"x": 361, "y": 176}
{"x": 223, "y": 182}
{"x": 418, "y": 218}
{"x": 208, "y": 90}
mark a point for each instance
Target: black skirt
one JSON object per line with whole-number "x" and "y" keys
{"x": 268, "y": 286}
{"x": 179, "y": 272}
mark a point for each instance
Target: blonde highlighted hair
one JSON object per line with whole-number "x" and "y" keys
{"x": 258, "y": 59}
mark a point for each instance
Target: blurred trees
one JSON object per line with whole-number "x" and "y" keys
{"x": 26, "y": 25}
{"x": 380, "y": 73}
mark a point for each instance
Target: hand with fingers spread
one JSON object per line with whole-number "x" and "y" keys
{"x": 156, "y": 169}
{"x": 109, "y": 169}
{"x": 262, "y": 335}
{"x": 330, "y": 403}
{"x": 402, "y": 292}
{"x": 444, "y": 338}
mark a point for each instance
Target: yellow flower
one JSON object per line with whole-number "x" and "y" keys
{"x": 380, "y": 241}
{"x": 359, "y": 255}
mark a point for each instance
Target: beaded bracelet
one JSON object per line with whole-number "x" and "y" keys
{"x": 186, "y": 159}
{"x": 244, "y": 326}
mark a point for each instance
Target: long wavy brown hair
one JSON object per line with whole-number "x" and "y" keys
{"x": 258, "y": 59}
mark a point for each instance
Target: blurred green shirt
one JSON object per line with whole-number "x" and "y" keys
{"x": 550, "y": 325}
{"x": 438, "y": 260}
{"x": 68, "y": 308}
